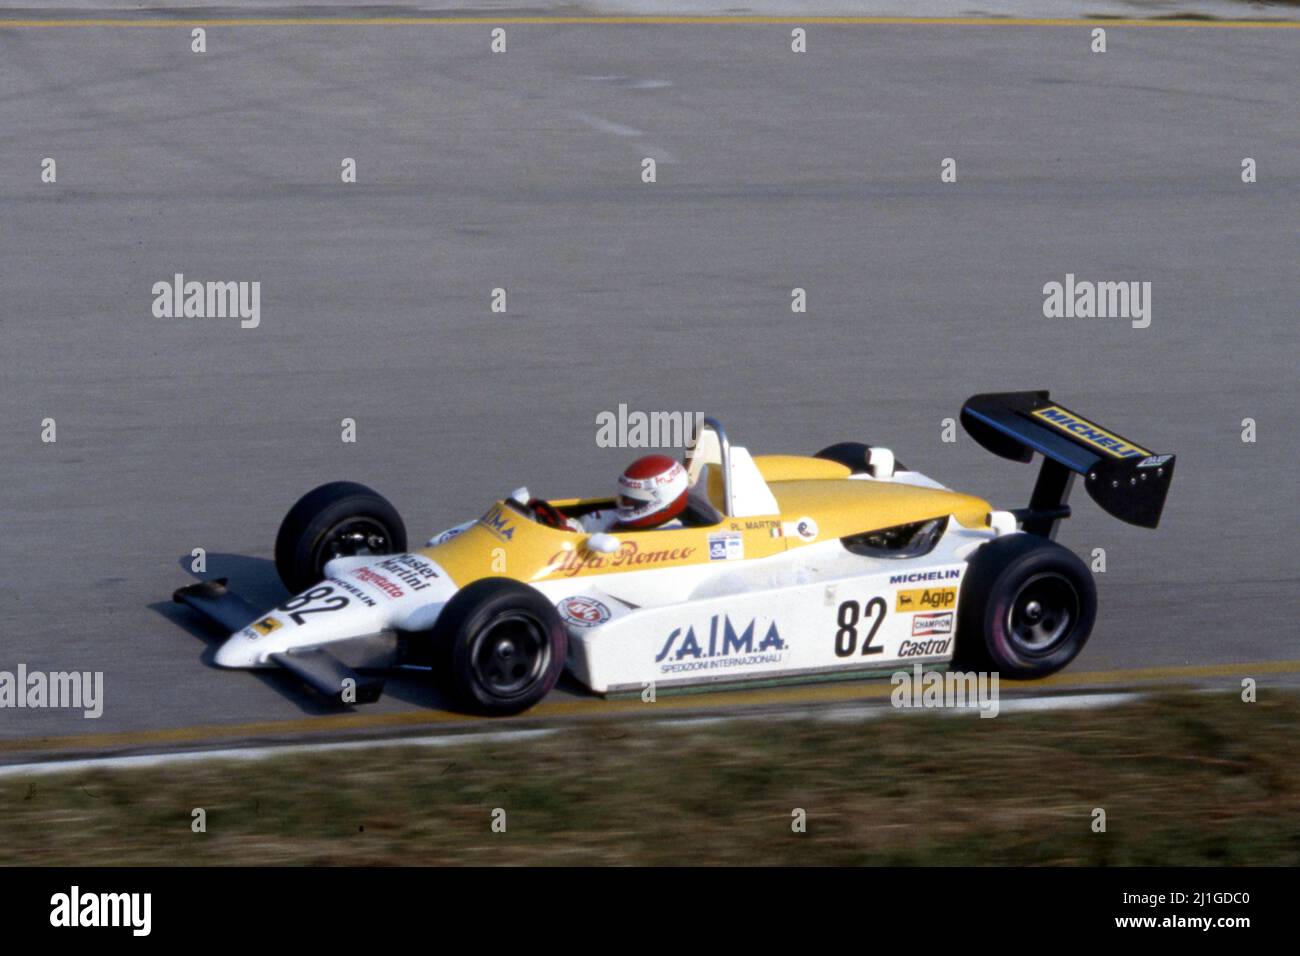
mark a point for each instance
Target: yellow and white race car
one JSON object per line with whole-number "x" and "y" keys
{"x": 838, "y": 565}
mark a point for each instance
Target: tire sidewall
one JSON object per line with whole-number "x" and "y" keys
{"x": 476, "y": 608}
{"x": 997, "y": 580}
{"x": 309, "y": 522}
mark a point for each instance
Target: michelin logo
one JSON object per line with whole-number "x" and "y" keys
{"x": 916, "y": 576}
{"x": 1088, "y": 433}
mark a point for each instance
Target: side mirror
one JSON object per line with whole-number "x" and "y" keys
{"x": 602, "y": 543}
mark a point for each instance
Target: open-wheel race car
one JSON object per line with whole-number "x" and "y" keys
{"x": 783, "y": 567}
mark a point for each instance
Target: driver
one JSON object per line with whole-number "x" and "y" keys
{"x": 651, "y": 494}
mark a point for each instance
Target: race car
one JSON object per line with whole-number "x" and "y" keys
{"x": 842, "y": 564}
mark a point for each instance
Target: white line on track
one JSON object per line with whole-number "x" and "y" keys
{"x": 838, "y": 714}
{"x": 1029, "y": 705}
{"x": 1013, "y": 705}
{"x": 144, "y": 761}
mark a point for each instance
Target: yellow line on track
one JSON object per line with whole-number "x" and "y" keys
{"x": 647, "y": 21}
{"x": 845, "y": 693}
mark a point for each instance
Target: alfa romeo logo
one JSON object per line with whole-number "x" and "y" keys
{"x": 584, "y": 611}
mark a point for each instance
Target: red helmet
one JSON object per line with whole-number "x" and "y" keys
{"x": 651, "y": 492}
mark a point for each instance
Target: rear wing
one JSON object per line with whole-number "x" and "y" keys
{"x": 1130, "y": 482}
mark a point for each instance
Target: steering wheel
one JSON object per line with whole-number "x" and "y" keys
{"x": 547, "y": 514}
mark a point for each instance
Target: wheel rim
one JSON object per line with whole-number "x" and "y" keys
{"x": 355, "y": 536}
{"x": 1043, "y": 613}
{"x": 510, "y": 654}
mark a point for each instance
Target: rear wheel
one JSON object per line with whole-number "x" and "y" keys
{"x": 502, "y": 646}
{"x": 1028, "y": 606}
{"x": 336, "y": 520}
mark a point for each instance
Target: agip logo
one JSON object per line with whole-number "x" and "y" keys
{"x": 264, "y": 627}
{"x": 925, "y": 599}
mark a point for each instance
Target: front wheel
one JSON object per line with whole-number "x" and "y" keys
{"x": 1027, "y": 608}
{"x": 336, "y": 520}
{"x": 503, "y": 645}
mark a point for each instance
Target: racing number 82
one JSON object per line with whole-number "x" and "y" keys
{"x": 846, "y": 638}
{"x": 298, "y": 605}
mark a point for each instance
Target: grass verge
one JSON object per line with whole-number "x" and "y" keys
{"x": 1184, "y": 779}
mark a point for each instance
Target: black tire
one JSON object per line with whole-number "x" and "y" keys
{"x": 853, "y": 456}
{"x": 334, "y": 520}
{"x": 1027, "y": 608}
{"x": 503, "y": 646}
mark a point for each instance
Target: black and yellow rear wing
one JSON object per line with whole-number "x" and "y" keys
{"x": 1129, "y": 481}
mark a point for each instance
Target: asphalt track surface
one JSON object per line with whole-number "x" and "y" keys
{"x": 522, "y": 170}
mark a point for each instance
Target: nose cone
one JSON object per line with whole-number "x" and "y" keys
{"x": 237, "y": 651}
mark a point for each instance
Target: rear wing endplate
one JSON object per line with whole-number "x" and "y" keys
{"x": 1130, "y": 482}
